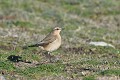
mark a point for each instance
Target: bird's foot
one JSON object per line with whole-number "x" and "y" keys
{"x": 54, "y": 59}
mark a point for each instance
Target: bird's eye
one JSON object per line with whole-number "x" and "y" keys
{"x": 57, "y": 29}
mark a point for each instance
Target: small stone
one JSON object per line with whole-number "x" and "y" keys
{"x": 2, "y": 77}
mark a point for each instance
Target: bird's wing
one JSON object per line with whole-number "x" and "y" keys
{"x": 48, "y": 39}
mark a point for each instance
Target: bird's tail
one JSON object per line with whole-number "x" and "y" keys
{"x": 34, "y": 45}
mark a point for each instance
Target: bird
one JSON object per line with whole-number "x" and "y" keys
{"x": 51, "y": 42}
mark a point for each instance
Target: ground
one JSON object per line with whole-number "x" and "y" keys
{"x": 25, "y": 22}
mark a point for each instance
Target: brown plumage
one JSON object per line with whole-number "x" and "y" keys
{"x": 51, "y": 42}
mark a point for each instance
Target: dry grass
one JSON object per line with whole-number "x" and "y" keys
{"x": 27, "y": 22}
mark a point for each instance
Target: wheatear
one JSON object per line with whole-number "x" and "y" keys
{"x": 51, "y": 42}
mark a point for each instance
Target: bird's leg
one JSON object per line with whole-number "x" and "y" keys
{"x": 51, "y": 57}
{"x": 47, "y": 54}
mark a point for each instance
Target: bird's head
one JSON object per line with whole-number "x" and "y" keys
{"x": 56, "y": 30}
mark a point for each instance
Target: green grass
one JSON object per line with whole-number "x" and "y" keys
{"x": 89, "y": 78}
{"x": 23, "y": 24}
{"x": 111, "y": 72}
{"x": 7, "y": 66}
{"x": 46, "y": 69}
{"x": 27, "y": 22}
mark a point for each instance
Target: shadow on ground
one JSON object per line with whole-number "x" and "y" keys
{"x": 15, "y": 58}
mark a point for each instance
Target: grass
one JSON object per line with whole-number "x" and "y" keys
{"x": 89, "y": 78}
{"x": 27, "y": 22}
{"x": 111, "y": 72}
{"x": 50, "y": 69}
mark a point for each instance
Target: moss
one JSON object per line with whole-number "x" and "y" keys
{"x": 111, "y": 72}
{"x": 89, "y": 78}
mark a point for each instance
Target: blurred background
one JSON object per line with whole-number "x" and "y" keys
{"x": 24, "y": 22}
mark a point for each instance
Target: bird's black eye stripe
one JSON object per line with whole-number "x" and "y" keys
{"x": 57, "y": 29}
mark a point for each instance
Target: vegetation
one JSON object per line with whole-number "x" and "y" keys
{"x": 24, "y": 22}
